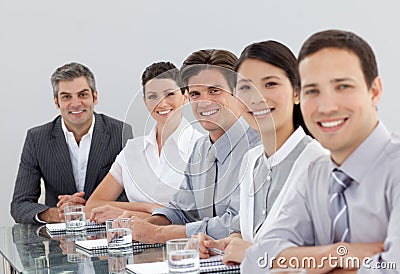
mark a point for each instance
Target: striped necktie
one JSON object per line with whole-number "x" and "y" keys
{"x": 338, "y": 207}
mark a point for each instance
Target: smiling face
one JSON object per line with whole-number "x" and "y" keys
{"x": 338, "y": 107}
{"x": 212, "y": 102}
{"x": 266, "y": 98}
{"x": 163, "y": 98}
{"x": 76, "y": 103}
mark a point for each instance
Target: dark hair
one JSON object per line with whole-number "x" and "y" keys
{"x": 343, "y": 40}
{"x": 69, "y": 72}
{"x": 280, "y": 56}
{"x": 207, "y": 59}
{"x": 161, "y": 70}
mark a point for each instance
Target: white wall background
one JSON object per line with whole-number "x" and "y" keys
{"x": 117, "y": 39}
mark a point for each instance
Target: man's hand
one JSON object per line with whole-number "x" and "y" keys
{"x": 235, "y": 250}
{"x": 102, "y": 213}
{"x": 206, "y": 242}
{"x": 51, "y": 215}
{"x": 67, "y": 200}
{"x": 144, "y": 232}
{"x": 74, "y": 199}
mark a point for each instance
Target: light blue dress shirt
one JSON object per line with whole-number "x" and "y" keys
{"x": 192, "y": 205}
{"x": 373, "y": 201}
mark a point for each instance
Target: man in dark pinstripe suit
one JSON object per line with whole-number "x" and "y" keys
{"x": 71, "y": 154}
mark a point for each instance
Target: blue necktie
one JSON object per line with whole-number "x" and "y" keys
{"x": 338, "y": 207}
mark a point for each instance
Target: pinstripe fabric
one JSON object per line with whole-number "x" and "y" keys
{"x": 45, "y": 155}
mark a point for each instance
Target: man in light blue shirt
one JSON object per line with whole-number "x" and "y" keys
{"x": 340, "y": 89}
{"x": 208, "y": 199}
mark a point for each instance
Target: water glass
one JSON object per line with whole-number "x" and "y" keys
{"x": 117, "y": 262}
{"x": 119, "y": 235}
{"x": 183, "y": 255}
{"x": 75, "y": 219}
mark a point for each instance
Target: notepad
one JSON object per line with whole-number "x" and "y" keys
{"x": 148, "y": 268}
{"x": 210, "y": 265}
{"x": 215, "y": 264}
{"x": 100, "y": 246}
{"x": 97, "y": 244}
{"x": 59, "y": 228}
{"x": 92, "y": 252}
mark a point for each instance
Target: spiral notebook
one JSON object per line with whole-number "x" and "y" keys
{"x": 211, "y": 265}
{"x": 92, "y": 252}
{"x": 215, "y": 264}
{"x": 100, "y": 246}
{"x": 59, "y": 228}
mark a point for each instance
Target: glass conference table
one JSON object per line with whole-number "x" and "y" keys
{"x": 28, "y": 248}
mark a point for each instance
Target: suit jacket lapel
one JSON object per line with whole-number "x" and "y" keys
{"x": 99, "y": 145}
{"x": 59, "y": 149}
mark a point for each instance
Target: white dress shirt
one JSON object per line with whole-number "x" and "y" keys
{"x": 261, "y": 199}
{"x": 147, "y": 176}
{"x": 79, "y": 153}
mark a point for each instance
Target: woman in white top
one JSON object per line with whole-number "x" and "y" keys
{"x": 268, "y": 87}
{"x": 150, "y": 168}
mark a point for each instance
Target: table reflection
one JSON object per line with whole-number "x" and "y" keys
{"x": 30, "y": 249}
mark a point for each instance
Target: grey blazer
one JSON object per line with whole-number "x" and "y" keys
{"x": 45, "y": 155}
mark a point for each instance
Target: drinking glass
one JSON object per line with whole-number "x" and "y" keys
{"x": 119, "y": 235}
{"x": 75, "y": 219}
{"x": 183, "y": 255}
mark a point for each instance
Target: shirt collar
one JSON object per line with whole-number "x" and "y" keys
{"x": 287, "y": 147}
{"x": 225, "y": 144}
{"x": 67, "y": 132}
{"x": 365, "y": 154}
{"x": 182, "y": 136}
{"x": 150, "y": 139}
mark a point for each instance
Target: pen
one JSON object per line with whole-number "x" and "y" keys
{"x": 216, "y": 250}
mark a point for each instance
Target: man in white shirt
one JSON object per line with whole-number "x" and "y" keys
{"x": 71, "y": 154}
